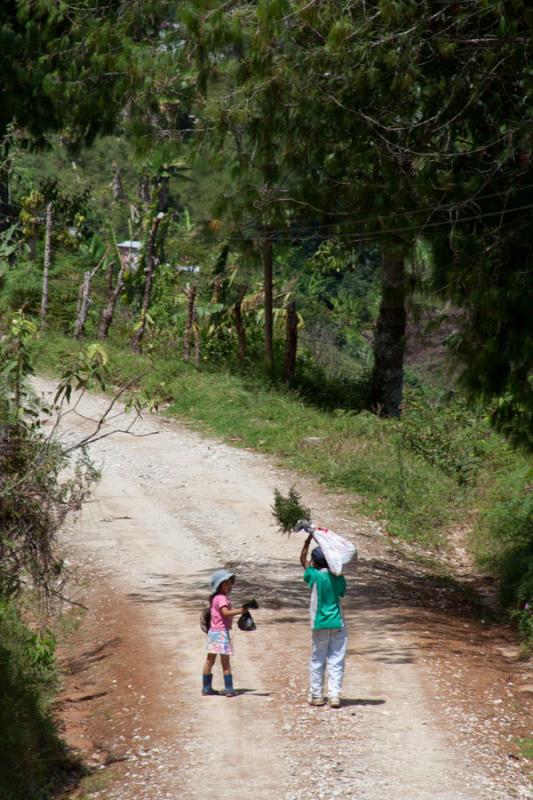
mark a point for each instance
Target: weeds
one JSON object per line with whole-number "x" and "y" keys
{"x": 526, "y": 748}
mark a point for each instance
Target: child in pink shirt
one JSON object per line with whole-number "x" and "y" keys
{"x": 218, "y": 636}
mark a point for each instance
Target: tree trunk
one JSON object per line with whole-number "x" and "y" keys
{"x": 47, "y": 262}
{"x": 84, "y": 300}
{"x": 116, "y": 185}
{"x": 109, "y": 277}
{"x": 291, "y": 347}
{"x": 163, "y": 192}
{"x": 144, "y": 189}
{"x": 82, "y": 311}
{"x": 136, "y": 344}
{"x": 112, "y": 296}
{"x": 239, "y": 324}
{"x": 268, "y": 303}
{"x": 197, "y": 343}
{"x": 190, "y": 293}
{"x": 389, "y": 341}
{"x": 32, "y": 245}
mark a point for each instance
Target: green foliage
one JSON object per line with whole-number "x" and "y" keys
{"x": 21, "y": 288}
{"x": 450, "y": 436}
{"x": 514, "y": 418}
{"x": 505, "y": 538}
{"x": 329, "y": 389}
{"x": 33, "y": 499}
{"x": 8, "y": 248}
{"x": 52, "y": 57}
{"x": 526, "y": 747}
{"x": 88, "y": 370}
{"x": 32, "y": 756}
{"x": 287, "y": 511}
{"x": 391, "y": 138}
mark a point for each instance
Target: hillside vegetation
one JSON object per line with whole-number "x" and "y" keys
{"x": 304, "y": 227}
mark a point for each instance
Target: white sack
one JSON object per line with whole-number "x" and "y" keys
{"x": 337, "y": 550}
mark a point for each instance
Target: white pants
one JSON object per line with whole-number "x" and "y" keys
{"x": 329, "y": 647}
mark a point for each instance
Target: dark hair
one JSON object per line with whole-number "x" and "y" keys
{"x": 318, "y": 558}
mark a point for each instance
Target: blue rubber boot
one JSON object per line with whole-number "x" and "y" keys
{"x": 207, "y": 687}
{"x": 229, "y": 691}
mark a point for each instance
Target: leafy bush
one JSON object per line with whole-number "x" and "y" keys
{"x": 330, "y": 391}
{"x": 32, "y": 756}
{"x": 21, "y": 288}
{"x": 505, "y": 538}
{"x": 449, "y": 435}
{"x": 33, "y": 501}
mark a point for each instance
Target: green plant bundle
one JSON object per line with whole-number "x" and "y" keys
{"x": 288, "y": 510}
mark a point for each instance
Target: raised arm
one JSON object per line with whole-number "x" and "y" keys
{"x": 304, "y": 561}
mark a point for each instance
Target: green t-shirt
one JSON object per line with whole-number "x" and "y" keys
{"x": 327, "y": 589}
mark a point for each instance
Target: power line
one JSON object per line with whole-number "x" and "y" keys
{"x": 286, "y": 235}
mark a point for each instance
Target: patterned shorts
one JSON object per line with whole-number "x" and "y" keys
{"x": 219, "y": 642}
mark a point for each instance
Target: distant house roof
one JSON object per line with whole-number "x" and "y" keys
{"x": 130, "y": 245}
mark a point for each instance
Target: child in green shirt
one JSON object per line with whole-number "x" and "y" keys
{"x": 329, "y": 639}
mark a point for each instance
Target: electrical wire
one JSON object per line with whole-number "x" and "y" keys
{"x": 354, "y": 219}
{"x": 285, "y": 235}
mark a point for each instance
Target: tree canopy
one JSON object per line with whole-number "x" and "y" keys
{"x": 393, "y": 122}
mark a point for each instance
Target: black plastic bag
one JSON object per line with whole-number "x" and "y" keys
{"x": 246, "y": 622}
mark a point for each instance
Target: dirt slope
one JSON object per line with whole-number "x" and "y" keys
{"x": 434, "y": 699}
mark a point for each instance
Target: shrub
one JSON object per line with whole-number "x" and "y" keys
{"x": 32, "y": 756}
{"x": 506, "y": 530}
{"x": 22, "y": 287}
{"x": 449, "y": 435}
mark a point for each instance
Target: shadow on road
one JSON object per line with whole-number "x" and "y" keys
{"x": 396, "y": 594}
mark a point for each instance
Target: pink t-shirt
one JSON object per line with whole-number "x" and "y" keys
{"x": 218, "y": 622}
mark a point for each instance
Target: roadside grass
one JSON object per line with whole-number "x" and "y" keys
{"x": 33, "y": 758}
{"x": 526, "y": 747}
{"x": 94, "y": 783}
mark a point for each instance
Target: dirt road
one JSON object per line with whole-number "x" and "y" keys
{"x": 433, "y": 699}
